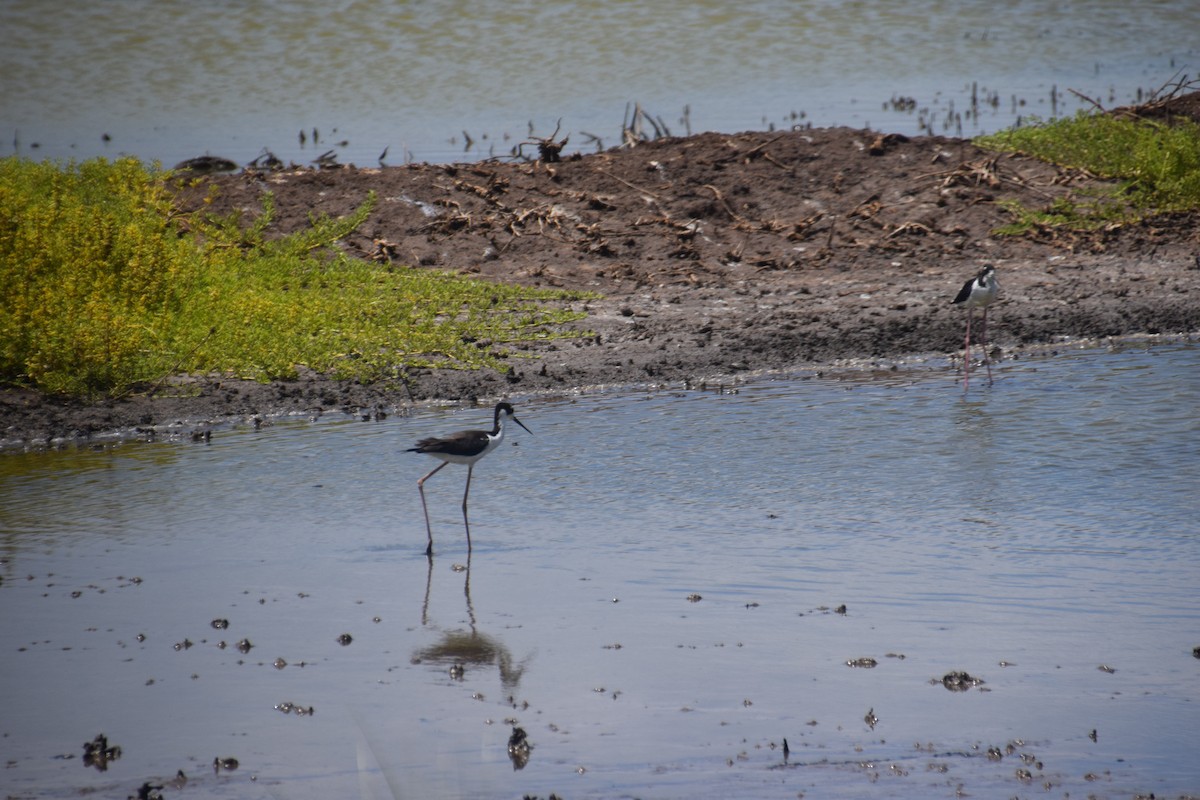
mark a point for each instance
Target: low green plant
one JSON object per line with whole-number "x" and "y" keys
{"x": 107, "y": 286}
{"x": 1154, "y": 166}
{"x": 91, "y": 272}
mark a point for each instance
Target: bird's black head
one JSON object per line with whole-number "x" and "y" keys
{"x": 507, "y": 410}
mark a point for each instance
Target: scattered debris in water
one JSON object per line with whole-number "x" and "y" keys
{"x": 345, "y": 639}
{"x": 327, "y": 160}
{"x": 293, "y": 708}
{"x": 958, "y": 681}
{"x": 220, "y": 624}
{"x": 865, "y": 662}
{"x": 97, "y": 753}
{"x": 227, "y": 764}
{"x": 148, "y": 791}
{"x": 265, "y": 160}
{"x": 519, "y": 748}
{"x": 1107, "y": 668}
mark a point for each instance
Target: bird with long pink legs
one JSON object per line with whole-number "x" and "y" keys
{"x": 463, "y": 447}
{"x": 979, "y": 292}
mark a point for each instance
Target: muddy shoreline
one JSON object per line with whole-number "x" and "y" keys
{"x": 717, "y": 256}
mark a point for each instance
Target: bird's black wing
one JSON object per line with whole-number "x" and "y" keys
{"x": 463, "y": 443}
{"x": 964, "y": 293}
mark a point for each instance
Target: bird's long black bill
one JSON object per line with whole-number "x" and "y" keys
{"x": 522, "y": 424}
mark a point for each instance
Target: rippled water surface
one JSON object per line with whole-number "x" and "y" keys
{"x": 653, "y": 596}
{"x": 440, "y": 81}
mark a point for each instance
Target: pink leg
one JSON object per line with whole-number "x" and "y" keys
{"x": 967, "y": 352}
{"x": 987, "y": 359}
{"x": 467, "y": 522}
{"x": 421, "y": 489}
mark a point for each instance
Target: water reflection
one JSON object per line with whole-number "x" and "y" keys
{"x": 975, "y": 456}
{"x": 94, "y": 83}
{"x": 1043, "y": 522}
{"x": 460, "y": 648}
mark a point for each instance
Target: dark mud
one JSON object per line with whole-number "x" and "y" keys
{"x": 717, "y": 255}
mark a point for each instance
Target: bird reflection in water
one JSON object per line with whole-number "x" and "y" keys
{"x": 461, "y": 650}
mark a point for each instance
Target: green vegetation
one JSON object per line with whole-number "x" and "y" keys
{"x": 106, "y": 286}
{"x": 1155, "y": 166}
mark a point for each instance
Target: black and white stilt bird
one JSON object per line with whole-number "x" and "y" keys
{"x": 464, "y": 447}
{"x": 979, "y": 292}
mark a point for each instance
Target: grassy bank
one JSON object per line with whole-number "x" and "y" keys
{"x": 108, "y": 287}
{"x": 1155, "y": 167}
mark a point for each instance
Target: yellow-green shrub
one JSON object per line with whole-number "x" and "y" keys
{"x": 90, "y": 267}
{"x": 103, "y": 289}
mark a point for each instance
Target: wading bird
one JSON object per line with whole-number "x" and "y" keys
{"x": 464, "y": 447}
{"x": 979, "y": 292}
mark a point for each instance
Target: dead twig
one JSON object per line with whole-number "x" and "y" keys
{"x": 910, "y": 227}
{"x": 549, "y": 149}
{"x": 632, "y": 130}
{"x": 627, "y": 183}
{"x": 1095, "y": 103}
{"x": 784, "y": 167}
{"x": 721, "y": 199}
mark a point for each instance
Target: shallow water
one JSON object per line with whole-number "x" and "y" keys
{"x": 1047, "y": 523}
{"x": 174, "y": 79}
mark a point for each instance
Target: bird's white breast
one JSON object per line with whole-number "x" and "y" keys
{"x": 983, "y": 294}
